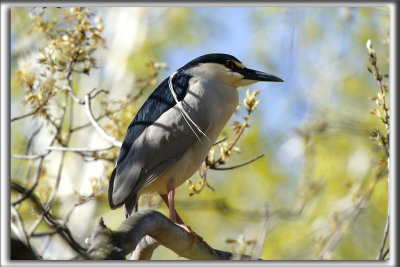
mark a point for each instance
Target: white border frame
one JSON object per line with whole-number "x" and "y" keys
{"x": 5, "y": 133}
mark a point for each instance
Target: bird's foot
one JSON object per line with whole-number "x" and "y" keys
{"x": 196, "y": 237}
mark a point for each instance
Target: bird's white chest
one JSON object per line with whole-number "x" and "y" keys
{"x": 210, "y": 101}
{"x": 206, "y": 103}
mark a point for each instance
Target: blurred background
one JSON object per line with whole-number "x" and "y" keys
{"x": 299, "y": 201}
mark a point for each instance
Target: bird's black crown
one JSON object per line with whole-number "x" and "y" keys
{"x": 209, "y": 58}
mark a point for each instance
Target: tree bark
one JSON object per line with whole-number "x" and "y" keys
{"x": 145, "y": 231}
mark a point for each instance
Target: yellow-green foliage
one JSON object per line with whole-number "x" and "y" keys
{"x": 341, "y": 158}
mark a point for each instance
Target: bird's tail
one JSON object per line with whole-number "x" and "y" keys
{"x": 131, "y": 206}
{"x": 110, "y": 191}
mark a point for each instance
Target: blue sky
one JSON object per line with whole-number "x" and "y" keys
{"x": 236, "y": 36}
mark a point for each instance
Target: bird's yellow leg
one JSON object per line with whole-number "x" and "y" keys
{"x": 170, "y": 200}
{"x": 178, "y": 219}
{"x": 174, "y": 216}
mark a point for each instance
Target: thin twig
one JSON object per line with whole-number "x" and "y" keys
{"x": 236, "y": 166}
{"x": 63, "y": 149}
{"x": 237, "y": 137}
{"x": 33, "y": 111}
{"x": 68, "y": 79}
{"x": 243, "y": 127}
{"x": 35, "y": 183}
{"x": 381, "y": 255}
{"x": 106, "y": 114}
{"x": 78, "y": 149}
{"x": 335, "y": 238}
{"x": 385, "y": 253}
{"x": 98, "y": 92}
{"x": 263, "y": 235}
{"x": 30, "y": 140}
{"x": 110, "y": 138}
{"x": 220, "y": 141}
{"x": 61, "y": 164}
{"x": 58, "y": 179}
{"x": 45, "y": 245}
{"x": 62, "y": 230}
{"x": 41, "y": 159}
{"x": 34, "y": 226}
{"x": 44, "y": 234}
{"x": 29, "y": 157}
{"x": 385, "y": 140}
{"x": 122, "y": 107}
{"x": 67, "y": 216}
{"x": 28, "y": 147}
{"x": 385, "y": 109}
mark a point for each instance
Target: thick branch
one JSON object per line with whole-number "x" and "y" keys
{"x": 144, "y": 250}
{"x": 106, "y": 244}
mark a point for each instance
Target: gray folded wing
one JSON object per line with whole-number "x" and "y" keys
{"x": 154, "y": 151}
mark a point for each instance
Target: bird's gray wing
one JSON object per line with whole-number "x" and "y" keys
{"x": 159, "y": 146}
{"x": 159, "y": 102}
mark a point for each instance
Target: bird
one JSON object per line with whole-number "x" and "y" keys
{"x": 172, "y": 133}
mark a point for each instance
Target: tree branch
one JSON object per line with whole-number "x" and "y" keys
{"x": 28, "y": 193}
{"x": 41, "y": 156}
{"x": 61, "y": 164}
{"x": 62, "y": 230}
{"x": 145, "y": 248}
{"x": 381, "y": 254}
{"x": 220, "y": 141}
{"x": 338, "y": 234}
{"x": 236, "y": 166}
{"x": 33, "y": 111}
{"x": 96, "y": 125}
{"x": 106, "y": 244}
{"x": 78, "y": 149}
{"x": 21, "y": 232}
{"x": 29, "y": 157}
{"x": 385, "y": 253}
{"x": 68, "y": 77}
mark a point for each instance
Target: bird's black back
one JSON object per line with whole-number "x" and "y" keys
{"x": 158, "y": 102}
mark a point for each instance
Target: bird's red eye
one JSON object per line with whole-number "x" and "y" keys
{"x": 229, "y": 64}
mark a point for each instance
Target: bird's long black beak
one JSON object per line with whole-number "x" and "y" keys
{"x": 256, "y": 75}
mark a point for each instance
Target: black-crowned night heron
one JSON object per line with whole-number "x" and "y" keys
{"x": 173, "y": 131}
